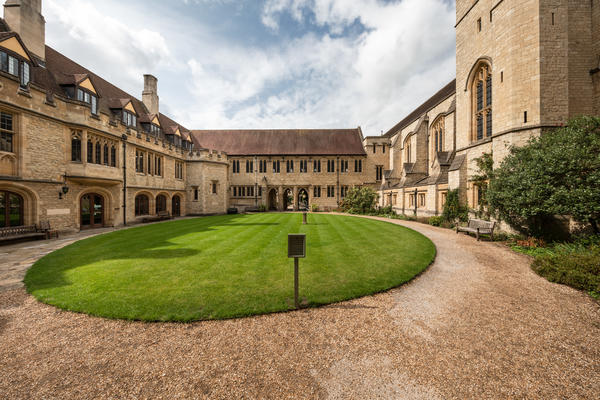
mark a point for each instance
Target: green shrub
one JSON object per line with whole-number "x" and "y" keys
{"x": 314, "y": 208}
{"x": 359, "y": 200}
{"x": 557, "y": 173}
{"x": 387, "y": 210}
{"x": 436, "y": 221}
{"x": 453, "y": 209}
{"x": 262, "y": 208}
{"x": 572, "y": 265}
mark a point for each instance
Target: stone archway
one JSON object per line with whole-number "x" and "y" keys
{"x": 30, "y": 202}
{"x": 273, "y": 199}
{"x": 288, "y": 200}
{"x": 302, "y": 200}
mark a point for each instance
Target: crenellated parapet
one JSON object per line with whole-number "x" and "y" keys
{"x": 206, "y": 155}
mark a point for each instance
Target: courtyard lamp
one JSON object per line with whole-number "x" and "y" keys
{"x": 64, "y": 189}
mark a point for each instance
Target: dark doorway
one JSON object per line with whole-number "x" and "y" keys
{"x": 11, "y": 209}
{"x": 302, "y": 200}
{"x": 176, "y": 206}
{"x": 161, "y": 203}
{"x": 92, "y": 211}
{"x": 273, "y": 200}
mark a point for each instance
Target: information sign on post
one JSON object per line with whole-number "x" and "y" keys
{"x": 296, "y": 250}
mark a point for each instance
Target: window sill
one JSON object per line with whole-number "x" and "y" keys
{"x": 94, "y": 116}
{"x": 481, "y": 141}
{"x": 24, "y": 92}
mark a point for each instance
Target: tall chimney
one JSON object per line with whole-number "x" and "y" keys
{"x": 150, "y": 93}
{"x": 25, "y": 18}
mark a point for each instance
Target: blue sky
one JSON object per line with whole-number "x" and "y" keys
{"x": 225, "y": 64}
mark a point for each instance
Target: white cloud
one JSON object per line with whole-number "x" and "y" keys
{"x": 405, "y": 55}
{"x": 320, "y": 79}
{"x": 107, "y": 45}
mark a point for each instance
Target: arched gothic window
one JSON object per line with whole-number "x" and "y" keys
{"x": 76, "y": 147}
{"x": 105, "y": 154}
{"x": 407, "y": 150}
{"x": 90, "y": 151}
{"x": 437, "y": 135}
{"x": 161, "y": 203}
{"x": 11, "y": 209}
{"x": 481, "y": 92}
{"x": 113, "y": 156}
{"x": 98, "y": 153}
{"x": 142, "y": 205}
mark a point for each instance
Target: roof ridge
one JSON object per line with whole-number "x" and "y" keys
{"x": 446, "y": 91}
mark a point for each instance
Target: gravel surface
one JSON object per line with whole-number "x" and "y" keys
{"x": 478, "y": 324}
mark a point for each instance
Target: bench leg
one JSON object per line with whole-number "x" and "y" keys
{"x": 478, "y": 234}
{"x": 492, "y": 236}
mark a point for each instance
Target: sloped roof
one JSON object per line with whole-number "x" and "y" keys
{"x": 457, "y": 163}
{"x": 433, "y": 101}
{"x": 61, "y": 70}
{"x": 282, "y": 142}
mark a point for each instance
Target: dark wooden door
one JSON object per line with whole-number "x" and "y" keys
{"x": 176, "y": 206}
{"x": 92, "y": 211}
{"x": 11, "y": 209}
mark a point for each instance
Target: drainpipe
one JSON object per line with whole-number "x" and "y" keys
{"x": 416, "y": 192}
{"x": 338, "y": 180}
{"x": 254, "y": 167}
{"x": 124, "y": 161}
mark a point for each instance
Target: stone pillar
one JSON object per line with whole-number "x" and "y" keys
{"x": 84, "y": 138}
{"x": 295, "y": 201}
{"x": 280, "y": 195}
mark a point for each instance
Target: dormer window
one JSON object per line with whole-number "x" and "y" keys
{"x": 12, "y": 65}
{"x": 129, "y": 119}
{"x": 155, "y": 129}
{"x": 89, "y": 98}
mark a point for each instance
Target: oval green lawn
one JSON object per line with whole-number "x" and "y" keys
{"x": 226, "y": 266}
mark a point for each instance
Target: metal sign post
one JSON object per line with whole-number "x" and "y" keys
{"x": 296, "y": 250}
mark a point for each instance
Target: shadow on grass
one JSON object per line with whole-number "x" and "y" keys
{"x": 141, "y": 242}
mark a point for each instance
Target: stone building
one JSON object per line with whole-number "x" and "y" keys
{"x": 523, "y": 67}
{"x": 78, "y": 152}
{"x": 291, "y": 169}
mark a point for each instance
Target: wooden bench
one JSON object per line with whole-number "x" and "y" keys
{"x": 160, "y": 216}
{"x": 478, "y": 227}
{"x": 22, "y": 232}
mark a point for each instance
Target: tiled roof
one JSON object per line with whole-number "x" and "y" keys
{"x": 457, "y": 163}
{"x": 433, "y": 101}
{"x": 60, "y": 70}
{"x": 282, "y": 142}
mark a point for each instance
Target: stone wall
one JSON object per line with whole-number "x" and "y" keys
{"x": 296, "y": 180}
{"x": 42, "y": 150}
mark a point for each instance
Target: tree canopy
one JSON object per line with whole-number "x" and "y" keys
{"x": 557, "y": 173}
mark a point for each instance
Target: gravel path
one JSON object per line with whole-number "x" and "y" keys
{"x": 478, "y": 324}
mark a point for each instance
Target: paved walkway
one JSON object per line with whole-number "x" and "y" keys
{"x": 477, "y": 324}
{"x": 15, "y": 259}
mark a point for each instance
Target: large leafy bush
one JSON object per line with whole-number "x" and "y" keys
{"x": 557, "y": 173}
{"x": 359, "y": 200}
